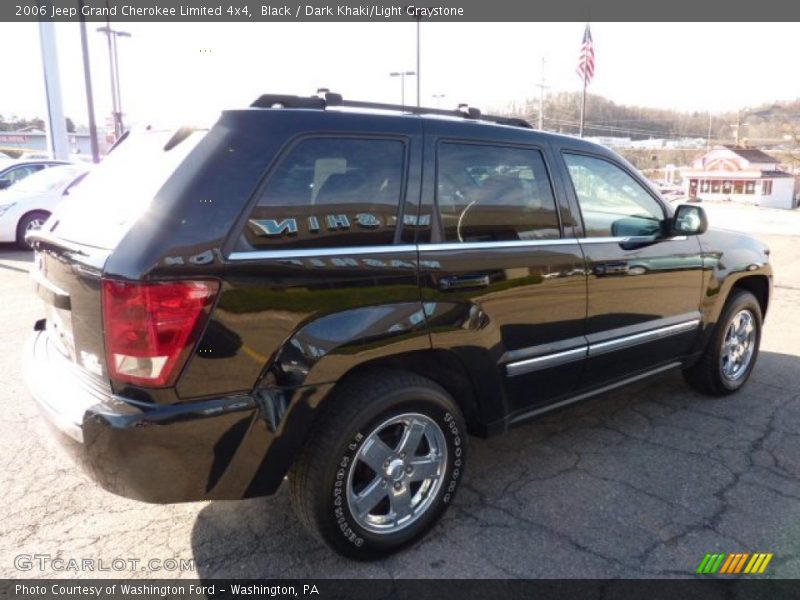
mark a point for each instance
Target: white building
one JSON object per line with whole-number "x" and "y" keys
{"x": 743, "y": 175}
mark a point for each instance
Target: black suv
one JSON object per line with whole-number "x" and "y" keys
{"x": 338, "y": 292}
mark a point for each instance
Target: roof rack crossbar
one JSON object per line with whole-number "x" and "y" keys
{"x": 288, "y": 101}
{"x": 330, "y": 99}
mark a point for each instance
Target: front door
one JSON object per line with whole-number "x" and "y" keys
{"x": 644, "y": 286}
{"x": 502, "y": 286}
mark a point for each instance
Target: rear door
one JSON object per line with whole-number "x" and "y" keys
{"x": 502, "y": 278}
{"x": 320, "y": 274}
{"x": 644, "y": 285}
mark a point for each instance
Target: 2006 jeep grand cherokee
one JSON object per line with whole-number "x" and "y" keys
{"x": 339, "y": 291}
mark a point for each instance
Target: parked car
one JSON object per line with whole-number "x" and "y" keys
{"x": 12, "y": 172}
{"x": 340, "y": 291}
{"x": 35, "y": 155}
{"x": 29, "y": 203}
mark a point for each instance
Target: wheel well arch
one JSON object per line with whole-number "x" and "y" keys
{"x": 758, "y": 285}
{"x": 28, "y": 213}
{"x": 440, "y": 366}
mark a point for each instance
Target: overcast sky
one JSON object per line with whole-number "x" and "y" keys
{"x": 188, "y": 71}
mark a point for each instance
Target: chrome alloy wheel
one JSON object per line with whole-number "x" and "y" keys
{"x": 738, "y": 346}
{"x": 397, "y": 473}
{"x": 34, "y": 224}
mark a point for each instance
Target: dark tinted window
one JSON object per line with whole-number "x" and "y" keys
{"x": 331, "y": 192}
{"x": 21, "y": 172}
{"x": 612, "y": 202}
{"x": 494, "y": 193}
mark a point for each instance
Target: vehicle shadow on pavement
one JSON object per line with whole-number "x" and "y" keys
{"x": 14, "y": 258}
{"x": 640, "y": 482}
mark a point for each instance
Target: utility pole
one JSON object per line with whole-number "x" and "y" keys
{"x": 738, "y": 125}
{"x": 116, "y": 100}
{"x": 87, "y": 80}
{"x": 419, "y": 80}
{"x": 402, "y": 76}
{"x": 542, "y": 87}
{"x": 57, "y": 141}
{"x": 708, "y": 138}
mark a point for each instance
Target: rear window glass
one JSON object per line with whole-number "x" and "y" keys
{"x": 331, "y": 192}
{"x": 47, "y": 180}
{"x": 101, "y": 209}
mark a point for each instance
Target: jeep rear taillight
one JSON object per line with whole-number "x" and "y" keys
{"x": 150, "y": 328}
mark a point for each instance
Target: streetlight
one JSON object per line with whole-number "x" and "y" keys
{"x": 116, "y": 98}
{"x": 438, "y": 98}
{"x": 402, "y": 75}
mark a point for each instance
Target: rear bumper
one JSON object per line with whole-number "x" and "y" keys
{"x": 204, "y": 450}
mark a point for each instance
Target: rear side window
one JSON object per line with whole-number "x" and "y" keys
{"x": 494, "y": 193}
{"x": 101, "y": 209}
{"x": 331, "y": 192}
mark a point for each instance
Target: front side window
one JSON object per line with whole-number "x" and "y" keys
{"x": 494, "y": 193}
{"x": 332, "y": 192}
{"x": 613, "y": 203}
{"x": 21, "y": 173}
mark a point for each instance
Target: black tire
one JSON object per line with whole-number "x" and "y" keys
{"x": 707, "y": 374}
{"x": 25, "y": 223}
{"x": 321, "y": 476}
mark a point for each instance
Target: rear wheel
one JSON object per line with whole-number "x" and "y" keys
{"x": 29, "y": 222}
{"x": 731, "y": 353}
{"x": 382, "y": 465}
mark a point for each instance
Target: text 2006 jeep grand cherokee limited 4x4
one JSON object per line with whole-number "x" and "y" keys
{"x": 337, "y": 292}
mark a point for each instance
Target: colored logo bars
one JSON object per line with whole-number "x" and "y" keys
{"x": 734, "y": 563}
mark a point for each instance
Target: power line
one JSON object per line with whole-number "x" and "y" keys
{"x": 617, "y": 129}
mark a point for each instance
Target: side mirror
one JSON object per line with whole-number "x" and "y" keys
{"x": 4, "y": 183}
{"x": 689, "y": 220}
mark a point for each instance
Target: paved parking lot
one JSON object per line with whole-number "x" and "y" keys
{"x": 638, "y": 483}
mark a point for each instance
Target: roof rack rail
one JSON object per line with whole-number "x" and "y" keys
{"x": 331, "y": 99}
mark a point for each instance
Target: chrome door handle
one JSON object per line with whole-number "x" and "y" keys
{"x": 463, "y": 282}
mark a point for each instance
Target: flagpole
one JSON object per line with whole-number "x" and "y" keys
{"x": 583, "y": 102}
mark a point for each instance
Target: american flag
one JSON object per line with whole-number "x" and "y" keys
{"x": 585, "y": 68}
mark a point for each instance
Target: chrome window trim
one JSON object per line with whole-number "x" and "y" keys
{"x": 388, "y": 248}
{"x": 437, "y": 247}
{"x": 448, "y": 246}
{"x": 314, "y": 252}
{"x": 630, "y": 239}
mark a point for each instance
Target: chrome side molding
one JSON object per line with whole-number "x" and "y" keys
{"x": 642, "y": 338}
{"x": 554, "y": 359}
{"x": 606, "y": 388}
{"x": 546, "y": 361}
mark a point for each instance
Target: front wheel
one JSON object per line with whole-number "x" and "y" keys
{"x": 731, "y": 354}
{"x": 382, "y": 464}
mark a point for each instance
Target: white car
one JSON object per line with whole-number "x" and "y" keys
{"x": 27, "y": 204}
